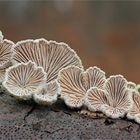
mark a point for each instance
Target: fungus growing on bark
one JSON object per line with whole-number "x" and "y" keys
{"x": 114, "y": 100}
{"x": 24, "y": 79}
{"x": 52, "y": 57}
{"x": 48, "y": 95}
{"x": 75, "y": 82}
{"x": 6, "y": 54}
{"x": 134, "y": 112}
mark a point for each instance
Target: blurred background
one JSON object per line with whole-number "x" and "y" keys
{"x": 104, "y": 33}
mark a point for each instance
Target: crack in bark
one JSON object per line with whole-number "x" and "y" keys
{"x": 54, "y": 109}
{"x": 108, "y": 122}
{"x": 53, "y": 131}
{"x": 29, "y": 112}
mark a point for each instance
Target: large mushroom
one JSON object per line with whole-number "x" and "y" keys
{"x": 52, "y": 57}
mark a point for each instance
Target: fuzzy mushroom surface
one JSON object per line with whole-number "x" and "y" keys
{"x": 24, "y": 79}
{"x": 52, "y": 57}
{"x": 75, "y": 82}
{"x": 114, "y": 100}
{"x": 6, "y": 54}
{"x": 134, "y": 112}
{"x": 49, "y": 93}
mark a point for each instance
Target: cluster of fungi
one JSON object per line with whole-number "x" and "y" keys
{"x": 44, "y": 71}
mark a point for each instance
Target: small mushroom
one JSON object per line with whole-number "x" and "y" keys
{"x": 114, "y": 100}
{"x": 48, "y": 95}
{"x": 134, "y": 112}
{"x": 24, "y": 79}
{"x": 6, "y": 54}
{"x": 75, "y": 82}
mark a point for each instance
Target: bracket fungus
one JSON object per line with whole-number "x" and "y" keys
{"x": 52, "y": 57}
{"x": 75, "y": 82}
{"x": 114, "y": 100}
{"x": 24, "y": 79}
{"x": 48, "y": 95}
{"x": 134, "y": 112}
{"x": 41, "y": 70}
{"x": 6, "y": 54}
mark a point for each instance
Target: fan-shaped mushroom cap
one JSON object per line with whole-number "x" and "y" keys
{"x": 6, "y": 54}
{"x": 134, "y": 112}
{"x": 114, "y": 100}
{"x": 24, "y": 79}
{"x": 95, "y": 99}
{"x": 49, "y": 93}
{"x": 74, "y": 83}
{"x": 50, "y": 55}
{"x": 94, "y": 77}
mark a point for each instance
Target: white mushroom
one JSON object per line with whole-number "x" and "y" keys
{"x": 114, "y": 101}
{"x": 134, "y": 112}
{"x": 6, "y": 54}
{"x": 75, "y": 82}
{"x": 48, "y": 95}
{"x": 24, "y": 79}
{"x": 50, "y": 55}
